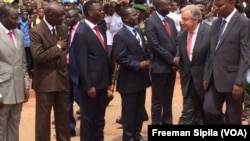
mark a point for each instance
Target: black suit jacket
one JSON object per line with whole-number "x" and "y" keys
{"x": 128, "y": 54}
{"x": 92, "y": 60}
{"x": 163, "y": 47}
{"x": 228, "y": 63}
{"x": 194, "y": 69}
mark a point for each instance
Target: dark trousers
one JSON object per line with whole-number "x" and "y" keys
{"x": 192, "y": 113}
{"x": 44, "y": 103}
{"x": 132, "y": 114}
{"x": 162, "y": 96}
{"x": 29, "y": 60}
{"x": 213, "y": 107}
{"x": 74, "y": 97}
{"x": 92, "y": 116}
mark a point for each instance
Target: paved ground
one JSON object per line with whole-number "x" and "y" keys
{"x": 113, "y": 131}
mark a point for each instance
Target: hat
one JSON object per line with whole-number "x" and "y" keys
{"x": 69, "y": 1}
{"x": 140, "y": 7}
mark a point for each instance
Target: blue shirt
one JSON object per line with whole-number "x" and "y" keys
{"x": 25, "y": 28}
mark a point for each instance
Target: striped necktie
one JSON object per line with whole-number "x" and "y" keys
{"x": 138, "y": 38}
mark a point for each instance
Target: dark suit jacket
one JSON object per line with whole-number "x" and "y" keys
{"x": 163, "y": 47}
{"x": 228, "y": 63}
{"x": 92, "y": 60}
{"x": 194, "y": 69}
{"x": 128, "y": 54}
{"x": 51, "y": 70}
{"x": 73, "y": 68}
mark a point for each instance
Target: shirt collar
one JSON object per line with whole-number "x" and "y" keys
{"x": 76, "y": 25}
{"x": 49, "y": 26}
{"x": 160, "y": 16}
{"x": 5, "y": 29}
{"x": 91, "y": 25}
{"x": 229, "y": 17}
{"x": 129, "y": 28}
{"x": 196, "y": 29}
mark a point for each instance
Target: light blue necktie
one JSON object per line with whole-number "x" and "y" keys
{"x": 137, "y": 36}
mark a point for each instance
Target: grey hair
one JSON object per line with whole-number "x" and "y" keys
{"x": 194, "y": 10}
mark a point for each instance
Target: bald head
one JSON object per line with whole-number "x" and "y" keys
{"x": 54, "y": 13}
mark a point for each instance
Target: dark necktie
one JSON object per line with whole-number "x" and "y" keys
{"x": 69, "y": 35}
{"x": 99, "y": 36}
{"x": 220, "y": 33}
{"x": 167, "y": 27}
{"x": 53, "y": 32}
{"x": 138, "y": 38}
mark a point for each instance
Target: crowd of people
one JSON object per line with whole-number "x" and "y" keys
{"x": 82, "y": 51}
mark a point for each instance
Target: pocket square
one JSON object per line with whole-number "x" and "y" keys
{"x": 248, "y": 76}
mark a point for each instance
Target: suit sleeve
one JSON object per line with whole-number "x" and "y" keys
{"x": 39, "y": 54}
{"x": 82, "y": 60}
{"x": 152, "y": 36}
{"x": 120, "y": 52}
{"x": 244, "y": 52}
{"x": 25, "y": 71}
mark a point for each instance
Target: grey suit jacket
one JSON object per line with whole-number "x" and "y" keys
{"x": 162, "y": 46}
{"x": 228, "y": 63}
{"x": 194, "y": 69}
{"x": 14, "y": 78}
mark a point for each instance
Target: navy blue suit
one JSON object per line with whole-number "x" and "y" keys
{"x": 132, "y": 80}
{"x": 94, "y": 71}
{"x": 73, "y": 79}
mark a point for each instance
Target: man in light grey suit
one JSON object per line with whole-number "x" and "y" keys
{"x": 226, "y": 64}
{"x": 193, "y": 48}
{"x": 14, "y": 79}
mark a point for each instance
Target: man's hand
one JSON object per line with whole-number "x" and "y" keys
{"x": 26, "y": 95}
{"x": 62, "y": 43}
{"x": 176, "y": 61}
{"x": 91, "y": 92}
{"x": 204, "y": 84}
{"x": 144, "y": 64}
{"x": 237, "y": 91}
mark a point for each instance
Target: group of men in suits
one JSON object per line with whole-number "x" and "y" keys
{"x": 212, "y": 63}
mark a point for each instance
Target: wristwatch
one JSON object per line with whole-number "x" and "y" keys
{"x": 59, "y": 46}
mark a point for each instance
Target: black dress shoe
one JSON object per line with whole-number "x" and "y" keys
{"x": 79, "y": 117}
{"x": 139, "y": 138}
{"x": 110, "y": 98}
{"x": 72, "y": 133}
{"x": 145, "y": 117}
{"x": 78, "y": 112}
{"x": 119, "y": 120}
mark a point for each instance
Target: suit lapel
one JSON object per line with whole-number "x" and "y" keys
{"x": 216, "y": 28}
{"x": 197, "y": 43}
{"x": 184, "y": 45}
{"x": 92, "y": 33}
{"x": 6, "y": 39}
{"x": 160, "y": 24}
{"x": 228, "y": 28}
{"x": 47, "y": 34}
{"x": 19, "y": 44}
